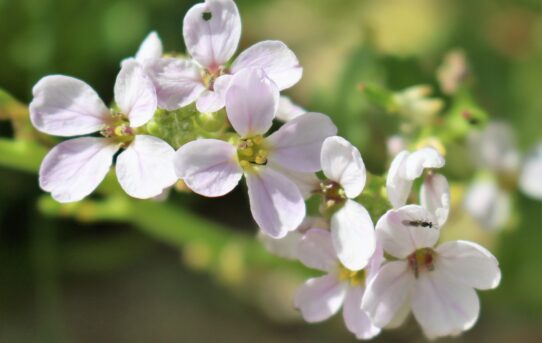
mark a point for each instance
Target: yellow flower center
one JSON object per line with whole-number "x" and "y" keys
{"x": 355, "y": 278}
{"x": 252, "y": 152}
{"x": 209, "y": 77}
{"x": 422, "y": 260}
{"x": 119, "y": 129}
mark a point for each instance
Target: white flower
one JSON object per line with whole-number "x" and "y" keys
{"x": 486, "y": 202}
{"x": 407, "y": 167}
{"x": 495, "y": 148}
{"x": 435, "y": 196}
{"x": 288, "y": 110}
{"x": 213, "y": 168}
{"x": 352, "y": 229}
{"x": 530, "y": 179}
{"x": 435, "y": 283}
{"x": 322, "y": 297}
{"x": 212, "y": 30}
{"x": 64, "y": 106}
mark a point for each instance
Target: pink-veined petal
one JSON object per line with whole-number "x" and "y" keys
{"x": 468, "y": 263}
{"x": 145, "y": 168}
{"x": 275, "y": 58}
{"x": 397, "y": 186}
{"x": 388, "y": 293}
{"x": 251, "y": 102}
{"x": 275, "y": 202}
{"x": 530, "y": 179}
{"x": 178, "y": 82}
{"x": 320, "y": 298}
{"x": 209, "y": 167}
{"x": 422, "y": 159}
{"x": 298, "y": 143}
{"x": 288, "y": 110}
{"x": 65, "y": 106}
{"x": 443, "y": 307}
{"x": 315, "y": 250}
{"x": 355, "y": 318}
{"x": 150, "y": 49}
{"x": 353, "y": 235}
{"x": 214, "y": 100}
{"x": 407, "y": 229}
{"x": 135, "y": 94}
{"x": 435, "y": 197}
{"x": 211, "y": 31}
{"x": 74, "y": 168}
{"x": 342, "y": 163}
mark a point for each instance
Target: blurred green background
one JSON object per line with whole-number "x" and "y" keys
{"x": 63, "y": 280}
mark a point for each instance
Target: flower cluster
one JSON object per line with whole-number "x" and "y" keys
{"x": 377, "y": 275}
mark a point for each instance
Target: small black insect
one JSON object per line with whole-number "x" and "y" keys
{"x": 421, "y": 223}
{"x": 207, "y": 16}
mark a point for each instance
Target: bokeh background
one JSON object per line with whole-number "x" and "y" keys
{"x": 91, "y": 280}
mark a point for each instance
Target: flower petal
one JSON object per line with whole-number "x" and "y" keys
{"x": 212, "y": 31}
{"x": 530, "y": 180}
{"x": 145, "y": 168}
{"x": 135, "y": 94}
{"x": 305, "y": 182}
{"x": 65, "y": 106}
{"x": 435, "y": 197}
{"x": 74, "y": 168}
{"x": 275, "y": 202}
{"x": 320, "y": 298}
{"x": 208, "y": 166}
{"x": 397, "y": 186}
{"x": 150, "y": 50}
{"x": 298, "y": 143}
{"x": 388, "y": 293}
{"x": 355, "y": 318}
{"x": 443, "y": 307}
{"x": 316, "y": 250}
{"x": 275, "y": 58}
{"x": 422, "y": 159}
{"x": 342, "y": 163}
{"x": 488, "y": 204}
{"x": 403, "y": 231}
{"x": 178, "y": 82}
{"x": 353, "y": 235}
{"x": 285, "y": 247}
{"x": 495, "y": 148}
{"x": 251, "y": 102}
{"x": 213, "y": 100}
{"x": 468, "y": 263}
{"x": 288, "y": 110}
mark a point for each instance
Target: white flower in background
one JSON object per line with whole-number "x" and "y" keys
{"x": 213, "y": 168}
{"x": 212, "y": 30}
{"x": 322, "y": 297}
{"x": 407, "y": 167}
{"x": 352, "y": 230}
{"x": 435, "y": 283}
{"x": 149, "y": 53}
{"x": 288, "y": 110}
{"x": 530, "y": 179}
{"x": 486, "y": 202}
{"x": 395, "y": 144}
{"x": 64, "y": 106}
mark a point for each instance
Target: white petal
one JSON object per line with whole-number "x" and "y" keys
{"x": 388, "y": 293}
{"x": 316, "y": 251}
{"x": 307, "y": 183}
{"x": 402, "y": 231}
{"x": 298, "y": 143}
{"x": 276, "y": 204}
{"x": 251, "y": 102}
{"x": 468, "y": 263}
{"x": 178, "y": 82}
{"x": 342, "y": 163}
{"x": 212, "y": 31}
{"x": 422, "y": 159}
{"x": 495, "y": 148}
{"x": 397, "y": 186}
{"x": 74, "y": 168}
{"x": 375, "y": 262}
{"x": 443, "y": 307}
{"x": 286, "y": 247}
{"x": 135, "y": 94}
{"x": 278, "y": 61}
{"x": 530, "y": 180}
{"x": 355, "y": 318}
{"x": 214, "y": 100}
{"x": 435, "y": 197}
{"x": 320, "y": 298}
{"x": 353, "y": 235}
{"x": 150, "y": 50}
{"x": 488, "y": 204}
{"x": 145, "y": 168}
{"x": 208, "y": 166}
{"x": 288, "y": 110}
{"x": 65, "y": 106}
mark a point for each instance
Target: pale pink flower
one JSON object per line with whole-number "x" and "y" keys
{"x": 64, "y": 106}
{"x": 530, "y": 179}
{"x": 322, "y": 297}
{"x": 212, "y": 30}
{"x": 213, "y": 168}
{"x": 435, "y": 283}
{"x": 352, "y": 229}
{"x": 288, "y": 110}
